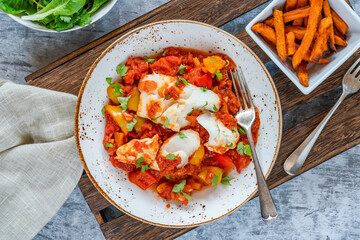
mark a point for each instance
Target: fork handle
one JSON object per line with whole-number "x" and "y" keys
{"x": 296, "y": 160}
{"x": 267, "y": 206}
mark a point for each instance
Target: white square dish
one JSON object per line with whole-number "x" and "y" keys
{"x": 317, "y": 72}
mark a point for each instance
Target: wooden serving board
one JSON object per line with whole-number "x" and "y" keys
{"x": 341, "y": 133}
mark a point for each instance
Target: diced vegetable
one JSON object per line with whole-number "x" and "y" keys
{"x": 223, "y": 160}
{"x": 116, "y": 114}
{"x": 204, "y": 81}
{"x": 119, "y": 139}
{"x": 112, "y": 97}
{"x": 196, "y": 186}
{"x": 197, "y": 62}
{"x": 208, "y": 173}
{"x": 133, "y": 102}
{"x": 224, "y": 109}
{"x": 198, "y": 156}
{"x": 165, "y": 189}
{"x": 140, "y": 121}
{"x": 214, "y": 63}
{"x": 143, "y": 179}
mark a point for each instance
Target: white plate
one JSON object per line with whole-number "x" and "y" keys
{"x": 317, "y": 72}
{"x": 112, "y": 182}
{"x": 96, "y": 16}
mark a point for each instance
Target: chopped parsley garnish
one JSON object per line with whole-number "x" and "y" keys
{"x": 140, "y": 160}
{"x": 227, "y": 63}
{"x": 214, "y": 180}
{"x": 103, "y": 111}
{"x": 123, "y": 102}
{"x": 242, "y": 131}
{"x": 149, "y": 60}
{"x": 155, "y": 118}
{"x": 226, "y": 180}
{"x": 121, "y": 70}
{"x": 189, "y": 113}
{"x": 205, "y": 104}
{"x": 144, "y": 168}
{"x": 167, "y": 96}
{"x": 118, "y": 90}
{"x": 230, "y": 145}
{"x": 234, "y": 131}
{"x": 171, "y": 156}
{"x": 179, "y": 187}
{"x": 166, "y": 123}
{"x": 108, "y": 80}
{"x": 188, "y": 197}
{"x": 243, "y": 149}
{"x": 204, "y": 89}
{"x": 218, "y": 74}
{"x": 164, "y": 54}
{"x": 212, "y": 60}
{"x": 167, "y": 176}
{"x": 215, "y": 108}
{"x": 183, "y": 80}
{"x": 182, "y": 135}
{"x": 181, "y": 69}
{"x": 130, "y": 125}
{"x": 109, "y": 145}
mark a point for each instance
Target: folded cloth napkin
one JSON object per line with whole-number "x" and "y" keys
{"x": 39, "y": 163}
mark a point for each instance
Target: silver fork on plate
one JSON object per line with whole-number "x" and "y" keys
{"x": 245, "y": 118}
{"x": 350, "y": 85}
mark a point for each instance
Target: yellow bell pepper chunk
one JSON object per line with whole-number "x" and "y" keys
{"x": 214, "y": 63}
{"x": 119, "y": 139}
{"x": 215, "y": 171}
{"x": 140, "y": 121}
{"x": 196, "y": 186}
{"x": 197, "y": 62}
{"x": 116, "y": 114}
{"x": 113, "y": 98}
{"x": 133, "y": 102}
{"x": 197, "y": 156}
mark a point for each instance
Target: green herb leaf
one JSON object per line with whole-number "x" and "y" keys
{"x": 140, "y": 160}
{"x": 108, "y": 80}
{"x": 164, "y": 53}
{"x": 188, "y": 197}
{"x": 182, "y": 135}
{"x": 230, "y": 145}
{"x": 226, "y": 180}
{"x": 65, "y": 19}
{"x": 171, "y": 156}
{"x": 103, "y": 111}
{"x": 121, "y": 70}
{"x": 218, "y": 74}
{"x": 117, "y": 89}
{"x": 179, "y": 187}
{"x": 109, "y": 145}
{"x": 123, "y": 102}
{"x": 205, "y": 104}
{"x": 204, "y": 89}
{"x": 243, "y": 149}
{"x": 189, "y": 113}
{"x": 181, "y": 69}
{"x": 155, "y": 118}
{"x": 144, "y": 168}
{"x": 149, "y": 60}
{"x": 167, "y": 96}
{"x": 96, "y": 5}
{"x": 215, "y": 108}
{"x": 167, "y": 176}
{"x": 130, "y": 125}
{"x": 212, "y": 60}
{"x": 183, "y": 80}
{"x": 242, "y": 131}
{"x": 247, "y": 150}
{"x": 214, "y": 180}
{"x": 234, "y": 131}
{"x": 166, "y": 123}
{"x": 227, "y": 63}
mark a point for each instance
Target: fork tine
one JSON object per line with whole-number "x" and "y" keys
{"x": 242, "y": 88}
{"x": 243, "y": 81}
{"x": 351, "y": 69}
{"x": 234, "y": 84}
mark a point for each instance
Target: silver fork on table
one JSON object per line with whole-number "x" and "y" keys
{"x": 245, "y": 118}
{"x": 350, "y": 85}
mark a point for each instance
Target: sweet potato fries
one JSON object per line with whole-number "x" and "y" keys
{"x": 305, "y": 32}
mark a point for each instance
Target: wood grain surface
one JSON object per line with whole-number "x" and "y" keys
{"x": 67, "y": 74}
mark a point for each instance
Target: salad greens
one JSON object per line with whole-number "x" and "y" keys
{"x": 59, "y": 15}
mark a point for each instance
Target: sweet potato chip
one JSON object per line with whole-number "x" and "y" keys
{"x": 327, "y": 13}
{"x": 280, "y": 34}
{"x": 289, "y": 16}
{"x": 290, "y": 5}
{"x": 265, "y": 31}
{"x": 340, "y": 42}
{"x": 339, "y": 23}
{"x": 290, "y": 43}
{"x": 321, "y": 39}
{"x": 300, "y": 4}
{"x": 314, "y": 15}
{"x": 298, "y": 31}
{"x": 303, "y": 74}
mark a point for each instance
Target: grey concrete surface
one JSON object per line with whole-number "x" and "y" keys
{"x": 322, "y": 203}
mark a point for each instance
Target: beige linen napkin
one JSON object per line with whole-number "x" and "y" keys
{"x": 39, "y": 163}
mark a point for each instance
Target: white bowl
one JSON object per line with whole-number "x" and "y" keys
{"x": 96, "y": 16}
{"x": 317, "y": 73}
{"x": 212, "y": 203}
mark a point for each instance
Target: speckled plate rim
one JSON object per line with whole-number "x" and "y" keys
{"x": 81, "y": 92}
